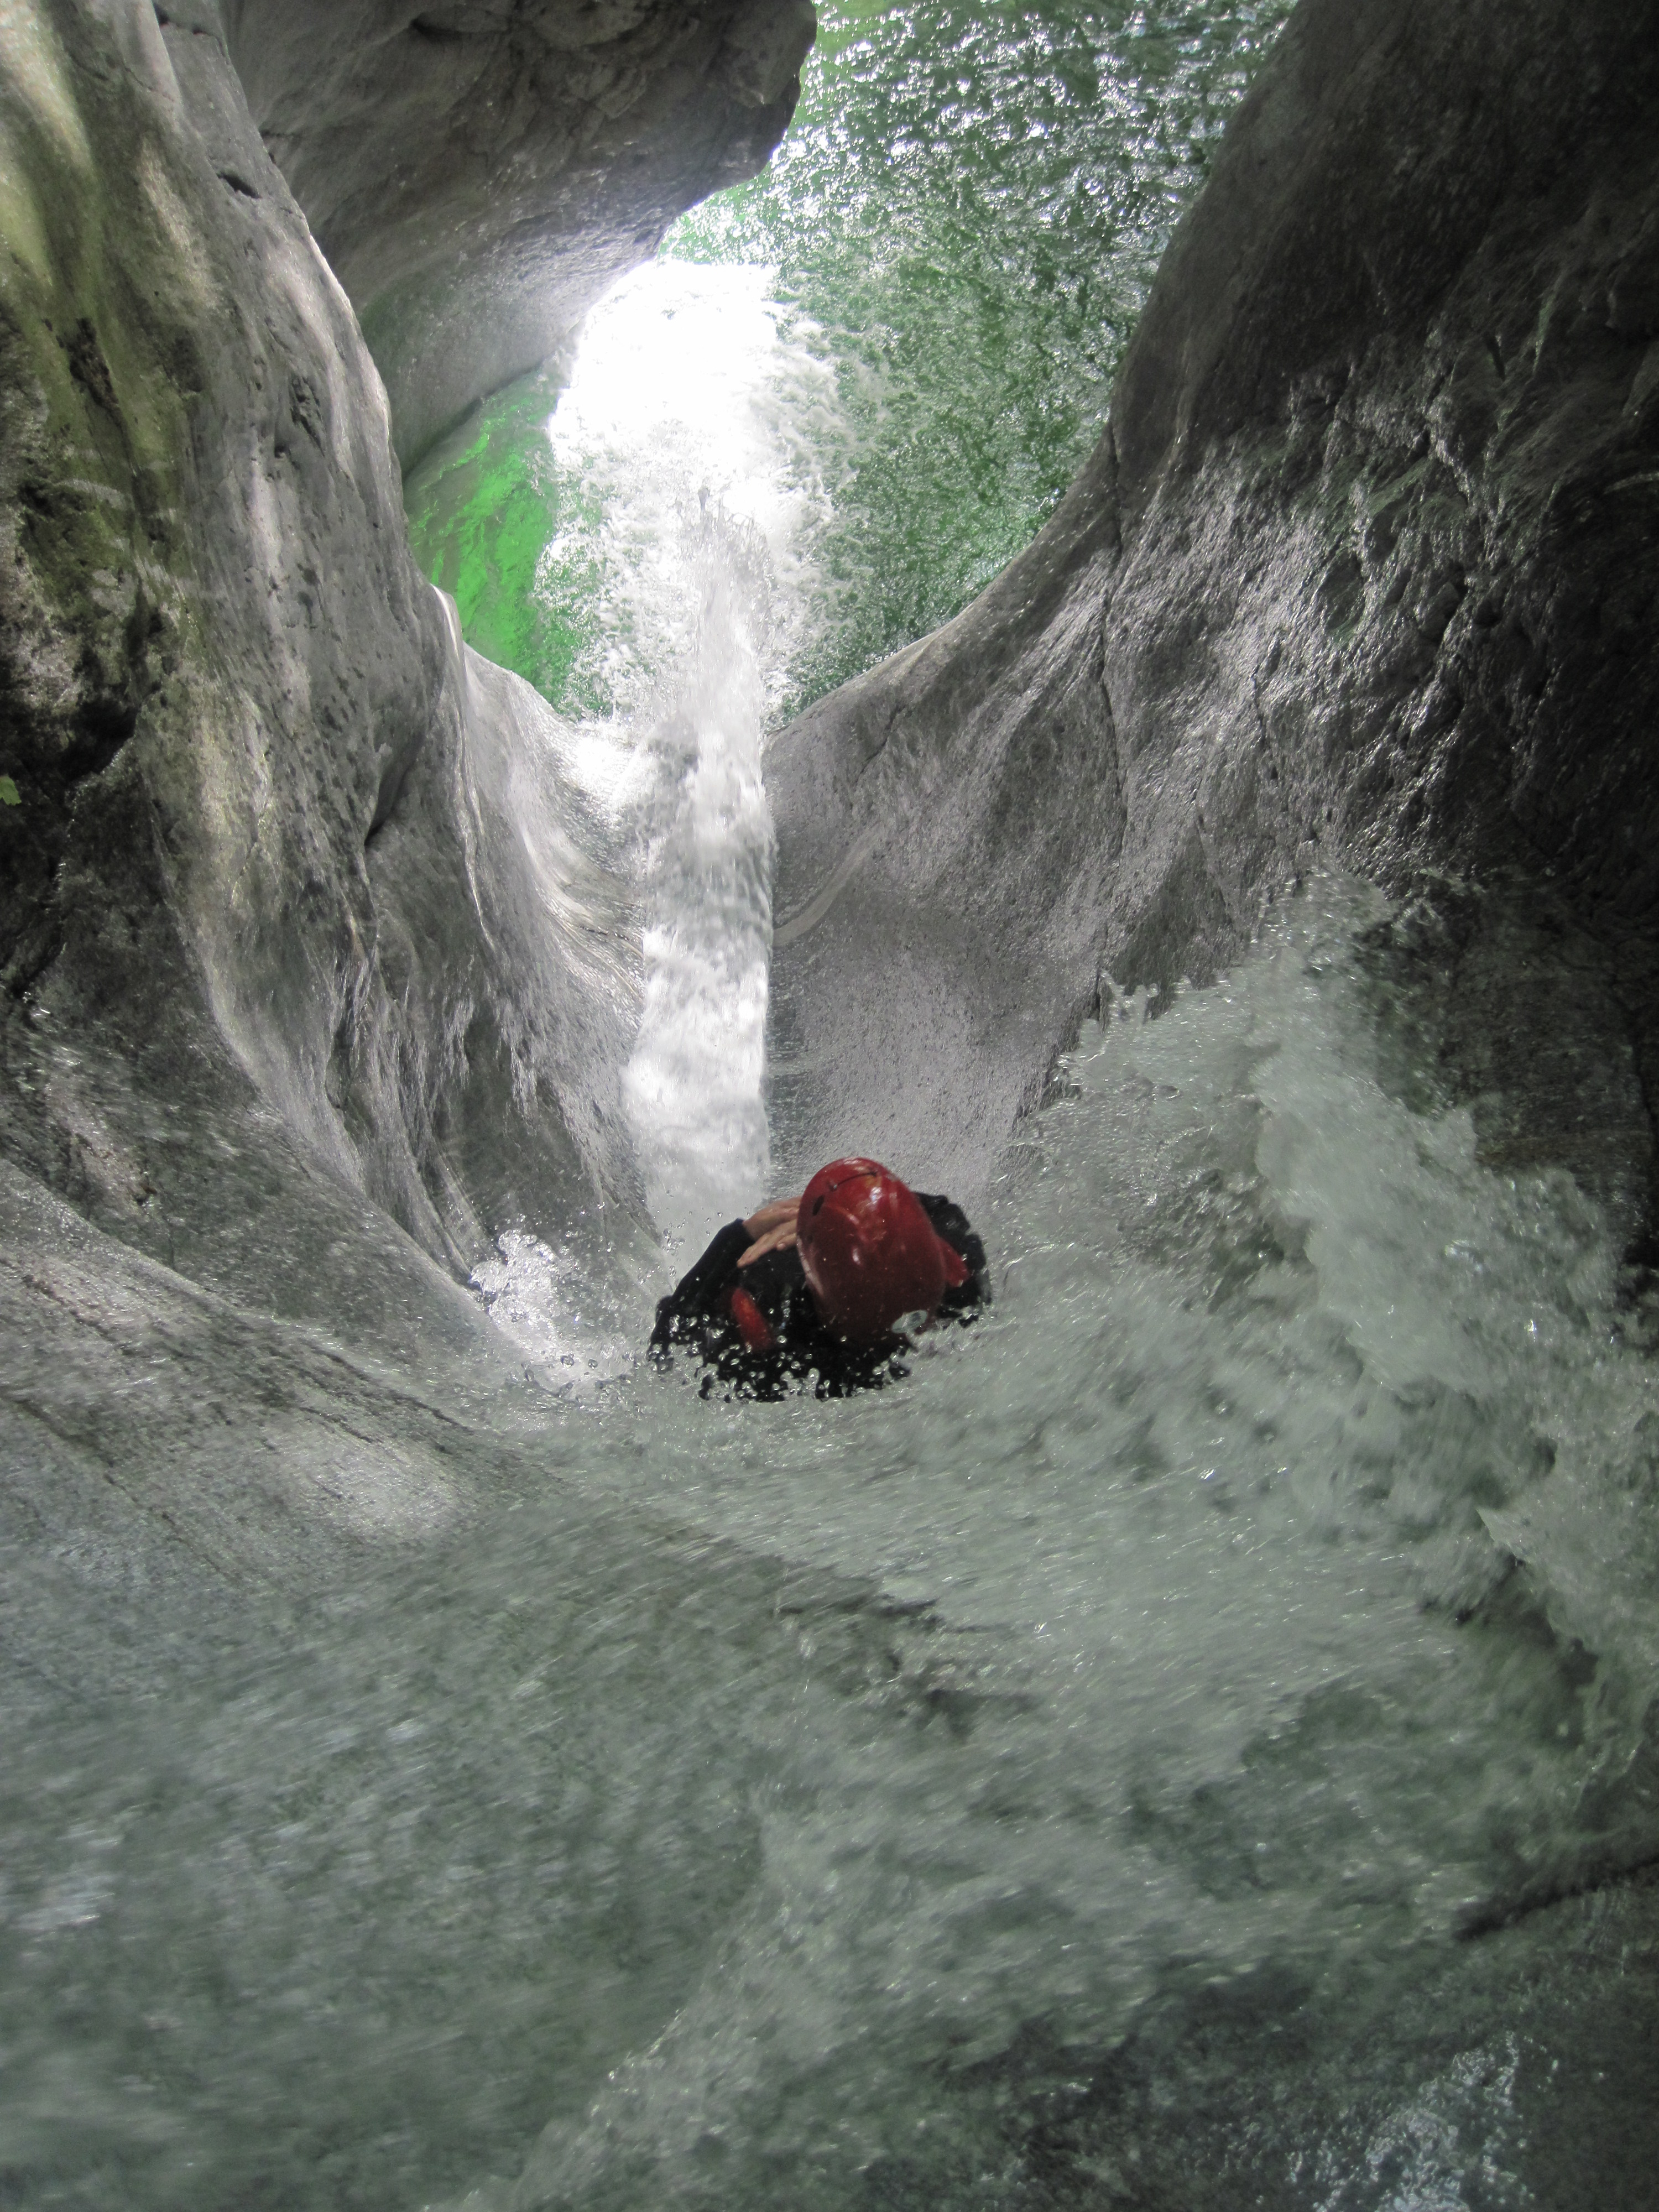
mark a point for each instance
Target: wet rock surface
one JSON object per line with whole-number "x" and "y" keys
{"x": 1362, "y": 573}
{"x": 387, "y": 1835}
{"x": 295, "y": 902}
{"x": 479, "y": 173}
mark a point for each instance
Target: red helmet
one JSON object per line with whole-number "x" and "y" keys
{"x": 870, "y": 1252}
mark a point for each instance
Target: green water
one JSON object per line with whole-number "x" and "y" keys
{"x": 961, "y": 224}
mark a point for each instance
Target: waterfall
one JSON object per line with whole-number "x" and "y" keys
{"x": 1179, "y": 1745}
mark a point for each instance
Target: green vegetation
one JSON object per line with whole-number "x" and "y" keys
{"x": 485, "y": 510}
{"x": 970, "y": 208}
{"x": 964, "y": 221}
{"x": 98, "y": 358}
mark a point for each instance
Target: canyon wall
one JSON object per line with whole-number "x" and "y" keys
{"x": 1364, "y": 572}
{"x": 478, "y": 174}
{"x": 306, "y": 940}
{"x": 299, "y": 911}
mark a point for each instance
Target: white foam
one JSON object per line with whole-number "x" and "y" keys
{"x": 696, "y": 502}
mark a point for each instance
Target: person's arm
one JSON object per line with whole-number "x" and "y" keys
{"x": 951, "y": 1223}
{"x": 694, "y": 1294}
{"x": 771, "y": 1229}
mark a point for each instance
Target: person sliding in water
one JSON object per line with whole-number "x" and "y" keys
{"x": 817, "y": 1286}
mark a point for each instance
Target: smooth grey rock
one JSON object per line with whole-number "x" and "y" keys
{"x": 1364, "y": 572}
{"x": 302, "y": 933}
{"x": 478, "y": 172}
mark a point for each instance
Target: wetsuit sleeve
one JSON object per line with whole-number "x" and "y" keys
{"x": 951, "y": 1223}
{"x": 693, "y": 1297}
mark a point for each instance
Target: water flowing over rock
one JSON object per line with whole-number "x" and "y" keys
{"x": 1194, "y": 1741}
{"x": 1364, "y": 569}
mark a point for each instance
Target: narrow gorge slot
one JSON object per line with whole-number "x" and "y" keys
{"x": 900, "y": 592}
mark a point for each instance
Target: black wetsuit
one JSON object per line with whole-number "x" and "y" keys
{"x": 697, "y": 1313}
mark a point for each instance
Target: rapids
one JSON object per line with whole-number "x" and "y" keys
{"x": 1190, "y": 1742}
{"x": 1156, "y": 1736}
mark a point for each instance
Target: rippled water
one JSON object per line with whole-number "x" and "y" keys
{"x": 1175, "y": 1749}
{"x": 1102, "y": 1754}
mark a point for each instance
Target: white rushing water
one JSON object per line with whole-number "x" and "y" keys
{"x": 833, "y": 1804}
{"x": 1264, "y": 1589}
{"x": 698, "y": 499}
{"x": 692, "y": 505}
{"x": 1198, "y": 1643}
{"x": 801, "y": 1803}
